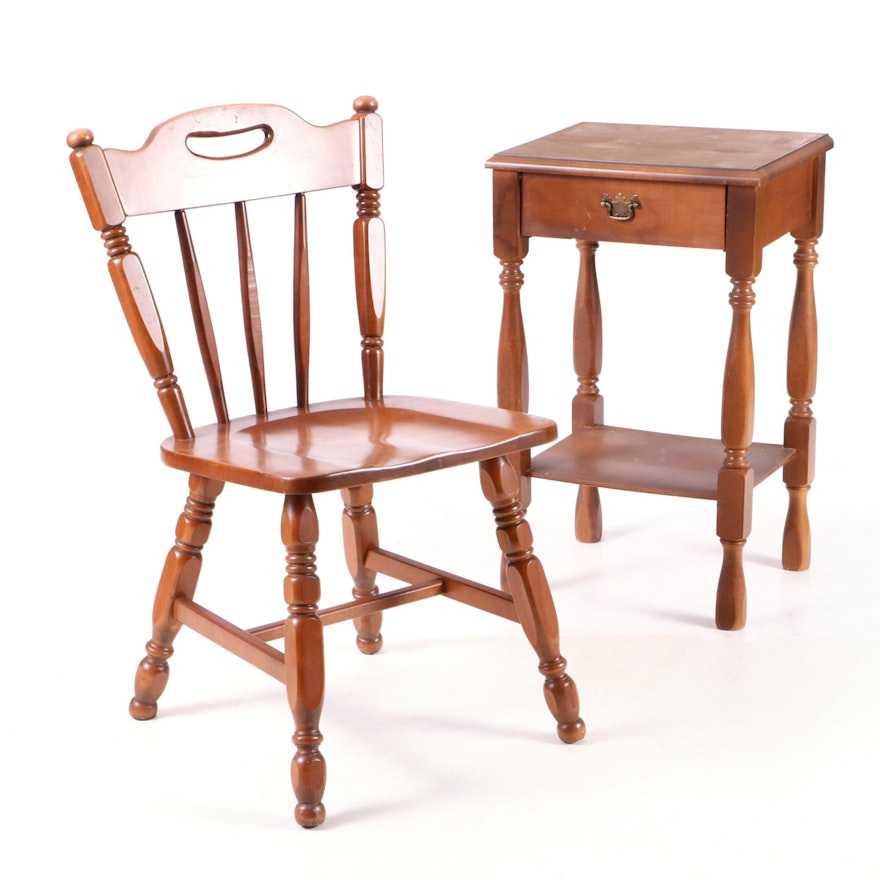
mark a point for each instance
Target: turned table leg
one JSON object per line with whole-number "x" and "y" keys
{"x": 736, "y": 477}
{"x": 587, "y": 407}
{"x": 513, "y": 359}
{"x": 511, "y": 248}
{"x": 800, "y": 426}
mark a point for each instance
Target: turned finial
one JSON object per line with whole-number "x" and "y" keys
{"x": 365, "y": 104}
{"x": 82, "y": 137}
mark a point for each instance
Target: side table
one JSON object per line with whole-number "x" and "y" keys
{"x": 733, "y": 190}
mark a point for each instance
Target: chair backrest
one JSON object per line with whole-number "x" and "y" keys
{"x": 232, "y": 155}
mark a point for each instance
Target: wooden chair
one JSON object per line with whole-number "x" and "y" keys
{"x": 203, "y": 159}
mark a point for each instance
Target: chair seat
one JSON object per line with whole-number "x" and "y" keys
{"x": 344, "y": 443}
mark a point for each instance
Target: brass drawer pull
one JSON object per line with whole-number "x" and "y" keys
{"x": 620, "y": 208}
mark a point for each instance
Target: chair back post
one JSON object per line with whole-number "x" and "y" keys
{"x": 127, "y": 273}
{"x": 369, "y": 247}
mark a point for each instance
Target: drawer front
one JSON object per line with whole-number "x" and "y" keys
{"x": 683, "y": 214}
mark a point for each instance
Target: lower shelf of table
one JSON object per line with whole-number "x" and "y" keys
{"x": 646, "y": 461}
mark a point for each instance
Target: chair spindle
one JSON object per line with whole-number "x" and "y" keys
{"x": 250, "y": 305}
{"x": 301, "y": 306}
{"x": 201, "y": 317}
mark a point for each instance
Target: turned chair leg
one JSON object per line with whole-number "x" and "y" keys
{"x": 179, "y": 577}
{"x": 304, "y": 656}
{"x": 360, "y": 533}
{"x": 531, "y": 594}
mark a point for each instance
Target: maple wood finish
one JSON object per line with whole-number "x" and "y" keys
{"x": 199, "y": 159}
{"x": 691, "y": 187}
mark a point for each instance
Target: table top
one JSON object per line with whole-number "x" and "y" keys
{"x": 718, "y": 155}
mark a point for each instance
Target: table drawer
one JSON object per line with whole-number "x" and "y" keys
{"x": 564, "y": 206}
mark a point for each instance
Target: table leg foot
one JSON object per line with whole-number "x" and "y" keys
{"x": 588, "y": 515}
{"x": 796, "y": 535}
{"x": 730, "y": 603}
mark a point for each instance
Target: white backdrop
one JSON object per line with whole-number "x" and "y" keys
{"x": 90, "y": 510}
